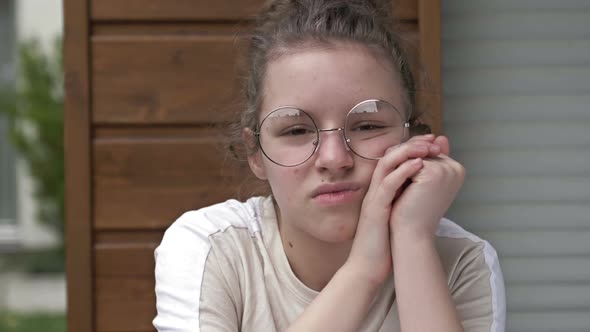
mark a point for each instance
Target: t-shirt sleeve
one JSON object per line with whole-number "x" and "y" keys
{"x": 191, "y": 294}
{"x": 478, "y": 290}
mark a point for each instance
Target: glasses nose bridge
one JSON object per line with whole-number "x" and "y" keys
{"x": 332, "y": 129}
{"x": 342, "y": 132}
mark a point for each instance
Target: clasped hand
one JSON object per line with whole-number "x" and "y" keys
{"x": 412, "y": 187}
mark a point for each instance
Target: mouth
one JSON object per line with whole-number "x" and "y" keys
{"x": 336, "y": 193}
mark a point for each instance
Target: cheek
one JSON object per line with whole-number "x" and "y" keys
{"x": 366, "y": 167}
{"x": 285, "y": 181}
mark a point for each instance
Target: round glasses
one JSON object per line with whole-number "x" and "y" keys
{"x": 288, "y": 136}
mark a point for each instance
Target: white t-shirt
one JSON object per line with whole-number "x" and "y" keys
{"x": 223, "y": 268}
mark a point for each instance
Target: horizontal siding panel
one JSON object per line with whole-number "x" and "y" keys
{"x": 534, "y": 270}
{"x": 540, "y": 80}
{"x": 539, "y": 243}
{"x": 547, "y": 321}
{"x": 534, "y": 297}
{"x": 486, "y": 6}
{"x": 519, "y": 135}
{"x": 190, "y": 79}
{"x": 525, "y": 189}
{"x": 478, "y": 54}
{"x": 525, "y": 162}
{"x": 516, "y": 26}
{"x": 524, "y": 216}
{"x": 516, "y": 82}
{"x": 473, "y": 109}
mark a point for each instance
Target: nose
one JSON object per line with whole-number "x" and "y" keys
{"x": 333, "y": 152}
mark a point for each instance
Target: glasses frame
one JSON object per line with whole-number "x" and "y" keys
{"x": 317, "y": 142}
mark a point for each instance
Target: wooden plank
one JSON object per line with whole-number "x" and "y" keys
{"x": 124, "y": 274}
{"x": 125, "y": 304}
{"x": 148, "y": 178}
{"x": 77, "y": 167}
{"x": 429, "y": 96}
{"x": 113, "y": 30}
{"x": 125, "y": 259}
{"x": 133, "y": 237}
{"x": 171, "y": 79}
{"x": 167, "y": 28}
{"x": 184, "y": 10}
{"x": 174, "y": 79}
{"x": 405, "y": 10}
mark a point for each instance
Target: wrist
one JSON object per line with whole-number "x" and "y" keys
{"x": 410, "y": 236}
{"x": 360, "y": 278}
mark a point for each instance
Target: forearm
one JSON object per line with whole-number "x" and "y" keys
{"x": 341, "y": 306}
{"x": 423, "y": 297}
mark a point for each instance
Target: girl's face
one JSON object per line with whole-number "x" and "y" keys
{"x": 321, "y": 198}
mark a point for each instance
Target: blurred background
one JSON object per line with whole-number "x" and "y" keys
{"x": 32, "y": 280}
{"x": 516, "y": 106}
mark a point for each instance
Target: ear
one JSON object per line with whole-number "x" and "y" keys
{"x": 254, "y": 154}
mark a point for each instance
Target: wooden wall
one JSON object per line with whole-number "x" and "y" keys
{"x": 148, "y": 84}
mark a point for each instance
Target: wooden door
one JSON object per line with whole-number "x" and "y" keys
{"x": 148, "y": 85}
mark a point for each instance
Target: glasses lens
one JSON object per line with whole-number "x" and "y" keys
{"x": 288, "y": 136}
{"x": 372, "y": 127}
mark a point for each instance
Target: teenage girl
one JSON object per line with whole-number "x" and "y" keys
{"x": 352, "y": 236}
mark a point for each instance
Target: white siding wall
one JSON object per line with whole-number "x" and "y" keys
{"x": 516, "y": 84}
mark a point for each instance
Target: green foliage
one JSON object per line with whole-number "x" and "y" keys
{"x": 34, "y": 109}
{"x": 32, "y": 322}
{"x": 34, "y": 262}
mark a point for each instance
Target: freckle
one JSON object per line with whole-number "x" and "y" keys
{"x": 290, "y": 244}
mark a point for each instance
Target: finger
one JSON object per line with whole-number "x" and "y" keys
{"x": 393, "y": 182}
{"x": 377, "y": 204}
{"x": 440, "y": 169}
{"x": 443, "y": 143}
{"x": 427, "y": 138}
{"x": 395, "y": 156}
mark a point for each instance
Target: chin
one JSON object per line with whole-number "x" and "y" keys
{"x": 338, "y": 230}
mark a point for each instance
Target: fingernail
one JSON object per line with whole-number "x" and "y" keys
{"x": 416, "y": 161}
{"x": 435, "y": 148}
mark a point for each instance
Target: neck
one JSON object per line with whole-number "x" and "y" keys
{"x": 313, "y": 261}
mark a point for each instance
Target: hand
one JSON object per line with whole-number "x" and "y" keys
{"x": 371, "y": 251}
{"x": 423, "y": 203}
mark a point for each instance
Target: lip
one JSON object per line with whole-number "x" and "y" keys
{"x": 335, "y": 193}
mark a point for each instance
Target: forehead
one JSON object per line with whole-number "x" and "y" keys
{"x": 329, "y": 80}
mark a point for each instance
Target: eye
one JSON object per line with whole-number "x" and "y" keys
{"x": 367, "y": 127}
{"x": 296, "y": 131}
